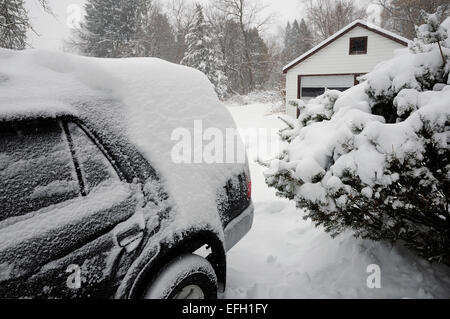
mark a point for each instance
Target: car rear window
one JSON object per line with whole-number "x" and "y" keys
{"x": 96, "y": 168}
{"x": 36, "y": 167}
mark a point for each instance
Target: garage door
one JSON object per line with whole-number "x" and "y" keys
{"x": 312, "y": 86}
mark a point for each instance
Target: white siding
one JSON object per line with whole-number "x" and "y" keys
{"x": 291, "y": 111}
{"x": 335, "y": 58}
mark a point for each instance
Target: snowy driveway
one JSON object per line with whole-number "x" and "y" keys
{"x": 284, "y": 256}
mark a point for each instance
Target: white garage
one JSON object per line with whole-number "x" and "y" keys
{"x": 337, "y": 62}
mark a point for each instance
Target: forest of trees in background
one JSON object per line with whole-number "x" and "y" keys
{"x": 225, "y": 39}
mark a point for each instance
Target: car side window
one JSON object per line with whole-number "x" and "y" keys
{"x": 95, "y": 167}
{"x": 36, "y": 167}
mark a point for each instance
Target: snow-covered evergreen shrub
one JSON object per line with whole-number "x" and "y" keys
{"x": 318, "y": 109}
{"x": 375, "y": 158}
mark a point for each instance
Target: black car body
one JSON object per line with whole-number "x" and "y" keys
{"x": 81, "y": 235}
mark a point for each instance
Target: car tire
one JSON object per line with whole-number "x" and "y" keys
{"x": 186, "y": 277}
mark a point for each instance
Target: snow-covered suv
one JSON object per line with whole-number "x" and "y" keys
{"x": 90, "y": 203}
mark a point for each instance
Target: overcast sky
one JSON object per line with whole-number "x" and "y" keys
{"x": 53, "y": 30}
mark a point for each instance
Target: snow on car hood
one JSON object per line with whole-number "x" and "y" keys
{"x": 157, "y": 97}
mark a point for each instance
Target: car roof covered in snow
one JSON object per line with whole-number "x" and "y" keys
{"x": 145, "y": 99}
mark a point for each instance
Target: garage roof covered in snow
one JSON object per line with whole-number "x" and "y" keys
{"x": 357, "y": 23}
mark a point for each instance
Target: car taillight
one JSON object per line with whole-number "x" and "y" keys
{"x": 249, "y": 188}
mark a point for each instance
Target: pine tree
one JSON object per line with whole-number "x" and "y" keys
{"x": 287, "y": 51}
{"x": 14, "y": 24}
{"x": 124, "y": 28}
{"x": 203, "y": 54}
{"x": 306, "y": 36}
{"x": 112, "y": 28}
{"x": 298, "y": 40}
{"x": 232, "y": 44}
{"x": 259, "y": 58}
{"x": 287, "y": 35}
{"x": 159, "y": 37}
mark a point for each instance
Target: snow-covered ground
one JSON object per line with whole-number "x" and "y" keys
{"x": 284, "y": 256}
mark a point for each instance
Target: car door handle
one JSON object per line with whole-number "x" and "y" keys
{"x": 130, "y": 237}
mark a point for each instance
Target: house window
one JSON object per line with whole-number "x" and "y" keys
{"x": 358, "y": 45}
